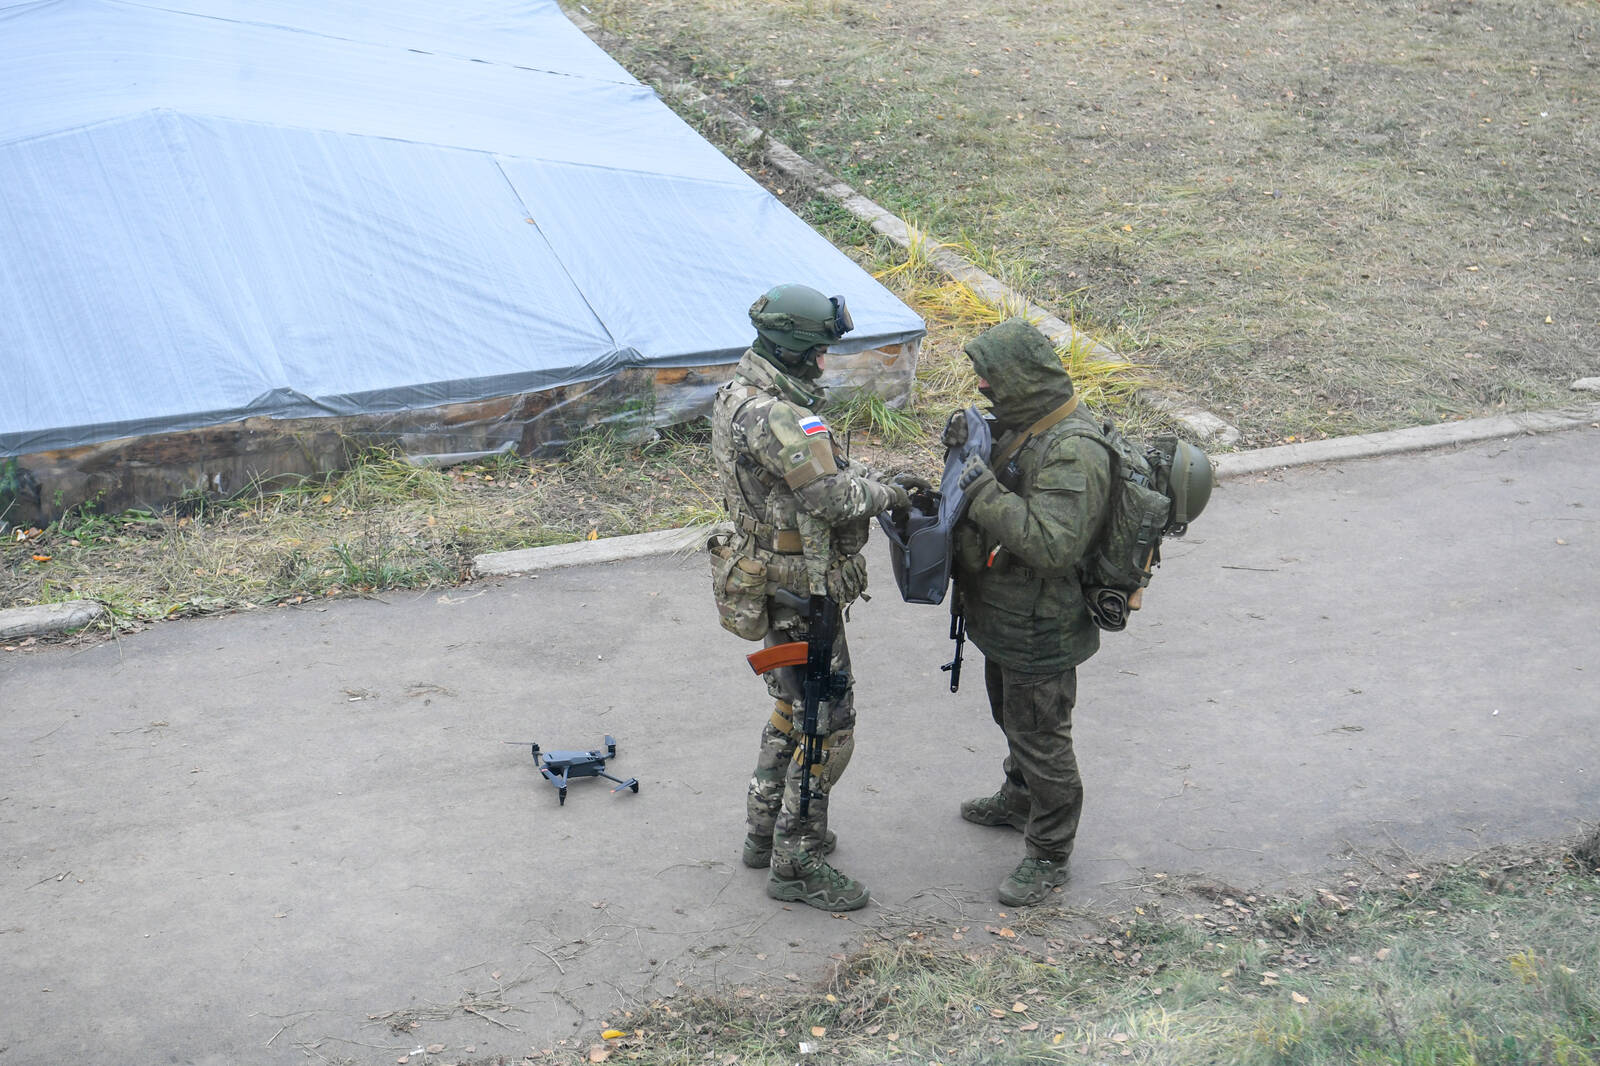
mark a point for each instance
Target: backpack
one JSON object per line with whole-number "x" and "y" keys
{"x": 1156, "y": 489}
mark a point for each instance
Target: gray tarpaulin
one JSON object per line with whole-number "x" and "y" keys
{"x": 212, "y": 209}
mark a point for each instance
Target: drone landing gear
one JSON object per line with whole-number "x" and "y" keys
{"x": 559, "y": 766}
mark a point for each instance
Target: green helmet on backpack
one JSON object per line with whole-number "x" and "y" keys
{"x": 795, "y": 323}
{"x": 1188, "y": 484}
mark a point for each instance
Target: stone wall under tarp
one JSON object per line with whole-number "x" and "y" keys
{"x": 221, "y": 461}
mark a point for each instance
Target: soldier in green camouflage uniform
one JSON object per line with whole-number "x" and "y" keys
{"x": 800, "y": 514}
{"x": 1016, "y": 553}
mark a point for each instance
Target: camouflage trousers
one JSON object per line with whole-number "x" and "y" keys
{"x": 1041, "y": 782}
{"x": 773, "y": 803}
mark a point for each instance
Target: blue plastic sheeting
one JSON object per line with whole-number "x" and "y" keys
{"x": 295, "y": 209}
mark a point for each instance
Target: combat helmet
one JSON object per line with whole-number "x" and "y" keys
{"x": 797, "y": 322}
{"x": 1188, "y": 485}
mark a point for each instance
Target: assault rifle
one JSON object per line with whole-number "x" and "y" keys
{"x": 819, "y": 683}
{"x": 958, "y": 633}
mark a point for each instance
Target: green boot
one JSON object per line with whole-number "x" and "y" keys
{"x": 993, "y": 810}
{"x": 1032, "y": 881}
{"x": 809, "y": 880}
{"x": 758, "y": 848}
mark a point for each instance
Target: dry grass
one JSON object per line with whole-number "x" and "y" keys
{"x": 1489, "y": 961}
{"x": 1314, "y": 219}
{"x": 380, "y": 524}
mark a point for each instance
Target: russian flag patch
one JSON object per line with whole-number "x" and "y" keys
{"x": 811, "y": 424}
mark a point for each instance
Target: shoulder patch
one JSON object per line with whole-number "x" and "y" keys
{"x": 805, "y": 447}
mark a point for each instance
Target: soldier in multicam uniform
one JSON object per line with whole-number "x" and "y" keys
{"x": 800, "y": 513}
{"x": 1016, "y": 554}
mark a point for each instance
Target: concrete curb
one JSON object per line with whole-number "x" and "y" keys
{"x": 587, "y": 552}
{"x": 1231, "y": 465}
{"x": 19, "y": 623}
{"x": 991, "y": 290}
{"x": 1397, "y": 441}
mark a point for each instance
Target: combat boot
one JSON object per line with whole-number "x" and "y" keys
{"x": 807, "y": 879}
{"x": 1032, "y": 881}
{"x": 993, "y": 810}
{"x": 758, "y": 848}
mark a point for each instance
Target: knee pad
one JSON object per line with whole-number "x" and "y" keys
{"x": 836, "y": 750}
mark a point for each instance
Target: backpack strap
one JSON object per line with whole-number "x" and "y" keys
{"x": 1000, "y": 458}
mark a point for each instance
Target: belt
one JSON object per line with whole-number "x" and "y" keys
{"x": 784, "y": 541}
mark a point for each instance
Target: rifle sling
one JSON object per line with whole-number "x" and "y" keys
{"x": 999, "y": 460}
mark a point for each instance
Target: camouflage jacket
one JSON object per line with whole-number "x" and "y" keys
{"x": 1028, "y": 528}
{"x": 785, "y": 483}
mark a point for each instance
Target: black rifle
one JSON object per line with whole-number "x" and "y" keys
{"x": 958, "y": 633}
{"x": 818, "y": 682}
{"x": 820, "y": 685}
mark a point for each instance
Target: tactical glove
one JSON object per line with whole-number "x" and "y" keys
{"x": 912, "y": 483}
{"x": 974, "y": 472}
{"x": 955, "y": 430}
{"x": 899, "y": 498}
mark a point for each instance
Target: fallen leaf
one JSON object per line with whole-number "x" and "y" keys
{"x": 434, "y": 1049}
{"x": 818, "y": 1030}
{"x": 599, "y": 1053}
{"x": 1298, "y": 998}
{"x": 41, "y": 558}
{"x": 1030, "y": 1027}
{"x": 1120, "y": 1038}
{"x": 1019, "y": 1007}
{"x": 612, "y": 1034}
{"x": 594, "y": 534}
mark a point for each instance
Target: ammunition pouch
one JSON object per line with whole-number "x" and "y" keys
{"x": 847, "y": 578}
{"x": 739, "y": 586}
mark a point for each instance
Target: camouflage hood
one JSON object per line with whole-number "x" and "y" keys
{"x": 1025, "y": 375}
